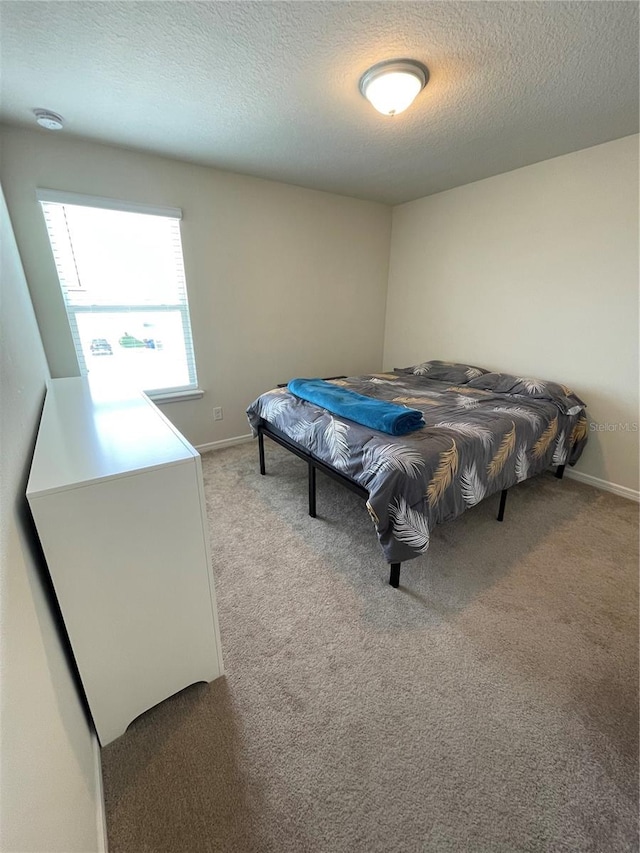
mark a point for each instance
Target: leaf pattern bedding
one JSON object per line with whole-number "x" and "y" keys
{"x": 474, "y": 443}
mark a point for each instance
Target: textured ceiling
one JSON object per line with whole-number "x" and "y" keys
{"x": 271, "y": 89}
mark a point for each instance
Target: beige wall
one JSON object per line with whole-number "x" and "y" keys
{"x": 282, "y": 281}
{"x": 533, "y": 272}
{"x": 48, "y": 790}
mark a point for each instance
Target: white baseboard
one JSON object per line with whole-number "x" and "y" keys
{"x": 224, "y": 442}
{"x": 605, "y": 485}
{"x": 101, "y": 816}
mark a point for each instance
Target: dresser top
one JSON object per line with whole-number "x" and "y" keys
{"x": 87, "y": 434}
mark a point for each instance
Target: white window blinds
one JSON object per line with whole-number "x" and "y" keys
{"x": 122, "y": 277}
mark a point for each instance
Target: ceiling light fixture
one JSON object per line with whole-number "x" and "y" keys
{"x": 392, "y": 86}
{"x": 49, "y": 119}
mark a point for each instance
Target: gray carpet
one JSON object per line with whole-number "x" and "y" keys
{"x": 489, "y": 704}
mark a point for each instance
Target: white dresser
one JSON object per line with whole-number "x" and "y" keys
{"x": 117, "y": 498}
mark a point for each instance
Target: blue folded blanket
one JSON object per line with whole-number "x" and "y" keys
{"x": 377, "y": 414}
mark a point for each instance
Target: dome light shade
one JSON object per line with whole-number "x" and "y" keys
{"x": 392, "y": 86}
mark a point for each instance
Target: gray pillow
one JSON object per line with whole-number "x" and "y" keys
{"x": 540, "y": 389}
{"x": 444, "y": 371}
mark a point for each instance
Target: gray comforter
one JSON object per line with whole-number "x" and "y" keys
{"x": 475, "y": 443}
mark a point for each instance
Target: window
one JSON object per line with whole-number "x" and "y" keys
{"x": 122, "y": 277}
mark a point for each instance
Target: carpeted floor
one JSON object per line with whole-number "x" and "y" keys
{"x": 489, "y": 704}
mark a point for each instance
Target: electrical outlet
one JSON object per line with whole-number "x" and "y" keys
{"x": 217, "y": 413}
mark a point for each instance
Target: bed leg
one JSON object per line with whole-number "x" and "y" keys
{"x": 312, "y": 490}
{"x": 559, "y": 471}
{"x": 503, "y": 501}
{"x": 394, "y": 575}
{"x": 261, "y": 452}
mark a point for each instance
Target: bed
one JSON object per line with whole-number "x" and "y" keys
{"x": 483, "y": 433}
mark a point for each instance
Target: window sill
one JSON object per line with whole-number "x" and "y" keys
{"x": 176, "y": 396}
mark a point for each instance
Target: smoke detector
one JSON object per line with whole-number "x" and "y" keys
{"x": 49, "y": 119}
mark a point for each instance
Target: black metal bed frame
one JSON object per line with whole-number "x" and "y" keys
{"x": 313, "y": 463}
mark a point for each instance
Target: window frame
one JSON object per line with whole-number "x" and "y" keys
{"x": 164, "y": 394}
